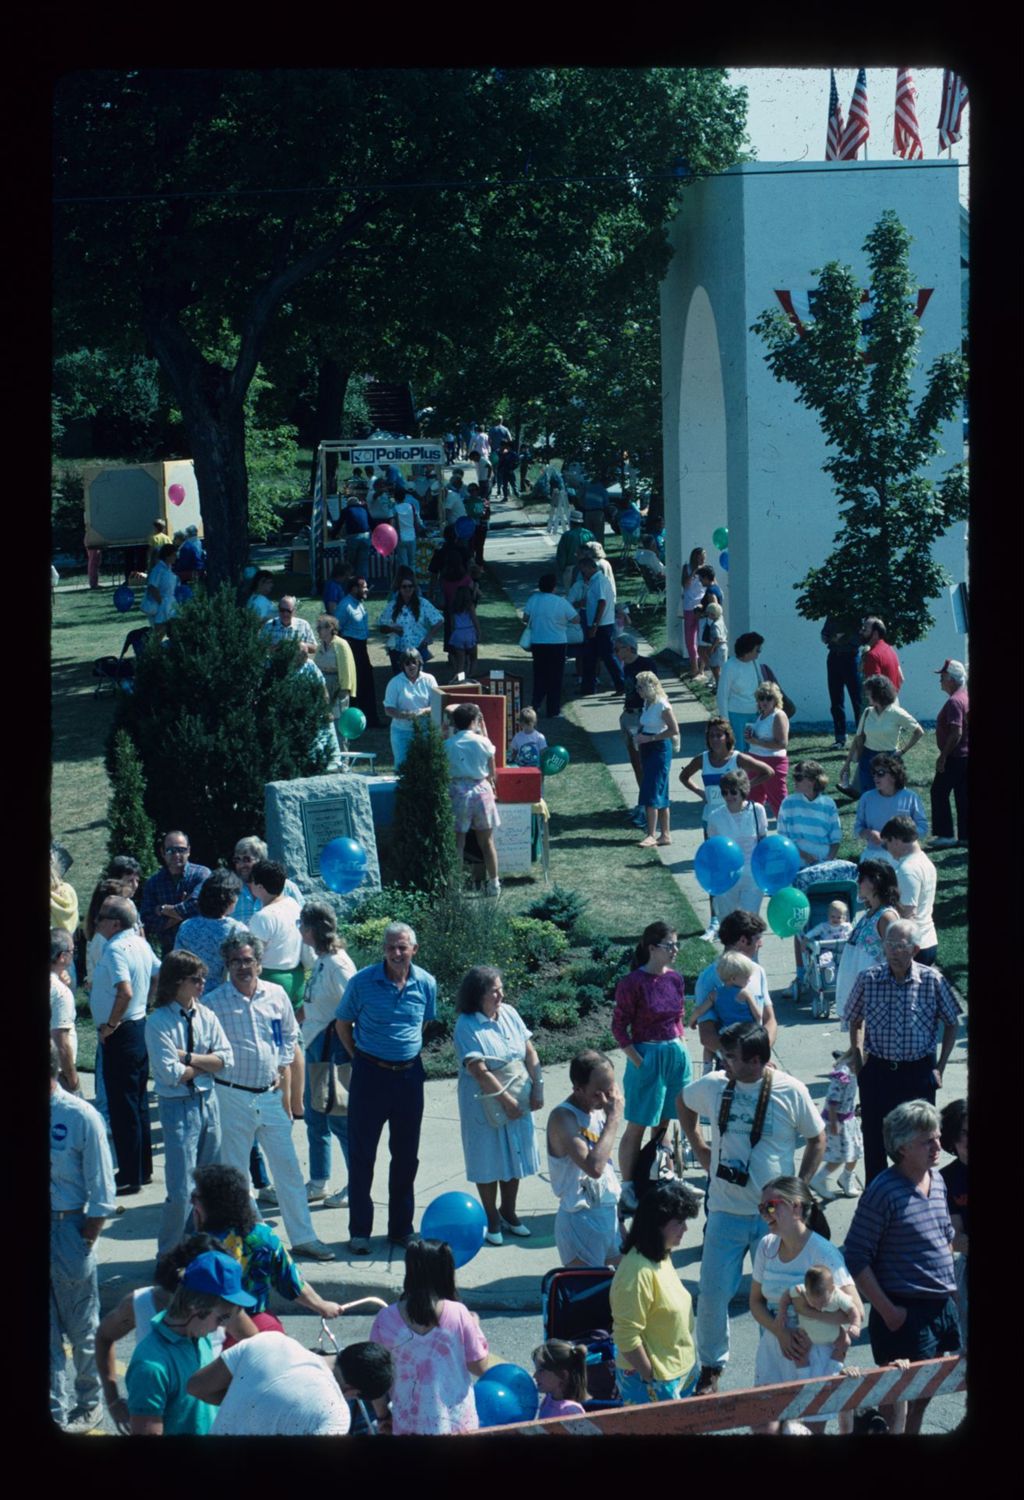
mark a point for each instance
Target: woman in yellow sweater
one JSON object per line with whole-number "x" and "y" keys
{"x": 652, "y": 1312}
{"x": 884, "y": 726}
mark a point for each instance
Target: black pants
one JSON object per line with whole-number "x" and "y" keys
{"x": 843, "y": 675}
{"x": 882, "y": 1087}
{"x": 125, "y": 1074}
{"x": 598, "y": 647}
{"x": 951, "y": 781}
{"x": 366, "y": 697}
{"x": 548, "y": 672}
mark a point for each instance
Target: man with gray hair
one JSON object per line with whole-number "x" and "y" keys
{"x": 380, "y": 1021}
{"x": 289, "y": 625}
{"x": 899, "y": 1253}
{"x": 260, "y": 1025}
{"x": 893, "y": 1012}
{"x": 124, "y": 980}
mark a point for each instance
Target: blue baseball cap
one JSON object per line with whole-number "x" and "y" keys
{"x": 218, "y": 1274}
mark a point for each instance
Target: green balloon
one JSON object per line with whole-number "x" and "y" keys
{"x": 788, "y": 912}
{"x": 554, "y": 759}
{"x": 720, "y": 537}
{"x": 351, "y": 723}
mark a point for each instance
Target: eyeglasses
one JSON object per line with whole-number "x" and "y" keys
{"x": 769, "y": 1206}
{"x": 672, "y": 947}
{"x": 241, "y": 963}
{"x": 879, "y": 774}
{"x": 176, "y": 848}
{"x": 733, "y": 792}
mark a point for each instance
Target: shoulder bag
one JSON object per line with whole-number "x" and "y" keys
{"x": 765, "y": 674}
{"x": 516, "y": 1083}
{"x": 328, "y": 1081}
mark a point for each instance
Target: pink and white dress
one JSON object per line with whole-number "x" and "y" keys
{"x": 432, "y": 1392}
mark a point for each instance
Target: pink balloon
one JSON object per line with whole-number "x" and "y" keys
{"x": 176, "y": 494}
{"x": 384, "y": 539}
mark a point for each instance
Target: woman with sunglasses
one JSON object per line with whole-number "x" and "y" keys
{"x": 186, "y": 1046}
{"x": 790, "y": 1248}
{"x": 649, "y": 1024}
{"x": 407, "y": 698}
{"x": 746, "y": 823}
{"x": 408, "y": 620}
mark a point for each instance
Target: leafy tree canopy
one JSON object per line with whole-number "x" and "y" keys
{"x": 882, "y": 438}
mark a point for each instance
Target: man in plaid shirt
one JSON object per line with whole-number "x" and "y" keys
{"x": 170, "y": 896}
{"x": 893, "y": 1012}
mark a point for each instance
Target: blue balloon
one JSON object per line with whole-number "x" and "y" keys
{"x": 723, "y": 560}
{"x": 774, "y": 863}
{"x": 630, "y": 520}
{"x": 459, "y": 1220}
{"x": 465, "y": 527}
{"x": 342, "y": 865}
{"x": 496, "y": 1405}
{"x": 182, "y": 593}
{"x": 124, "y": 599}
{"x": 249, "y": 572}
{"x": 718, "y": 864}
{"x": 522, "y": 1385}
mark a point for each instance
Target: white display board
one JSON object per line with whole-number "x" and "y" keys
{"x": 512, "y": 840}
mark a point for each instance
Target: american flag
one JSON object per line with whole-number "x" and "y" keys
{"x": 906, "y": 138}
{"x": 954, "y": 99}
{"x": 858, "y": 127}
{"x": 835, "y": 122}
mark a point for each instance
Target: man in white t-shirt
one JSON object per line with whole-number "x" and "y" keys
{"x": 598, "y": 627}
{"x": 408, "y": 521}
{"x": 917, "y": 878}
{"x": 740, "y": 932}
{"x": 455, "y": 499}
{"x": 759, "y": 1116}
{"x": 271, "y": 1386}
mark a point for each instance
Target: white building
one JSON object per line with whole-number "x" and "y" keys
{"x": 739, "y": 450}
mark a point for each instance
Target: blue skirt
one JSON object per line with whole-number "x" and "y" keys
{"x": 655, "y": 760}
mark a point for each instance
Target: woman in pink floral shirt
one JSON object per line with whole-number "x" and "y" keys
{"x": 435, "y": 1344}
{"x": 649, "y": 1024}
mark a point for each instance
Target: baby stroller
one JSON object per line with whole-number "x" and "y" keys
{"x": 577, "y": 1307}
{"x": 119, "y": 671}
{"x": 831, "y": 880}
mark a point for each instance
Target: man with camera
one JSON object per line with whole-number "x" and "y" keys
{"x": 759, "y": 1116}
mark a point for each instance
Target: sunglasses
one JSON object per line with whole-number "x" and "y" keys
{"x": 769, "y": 1206}
{"x": 672, "y": 947}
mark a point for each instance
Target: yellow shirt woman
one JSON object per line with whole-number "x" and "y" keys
{"x": 650, "y": 1306}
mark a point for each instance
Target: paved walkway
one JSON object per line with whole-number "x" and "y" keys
{"x": 509, "y": 1277}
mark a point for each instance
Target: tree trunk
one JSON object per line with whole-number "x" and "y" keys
{"x": 331, "y": 385}
{"x": 217, "y": 437}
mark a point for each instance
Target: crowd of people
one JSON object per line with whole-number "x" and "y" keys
{"x": 236, "y": 998}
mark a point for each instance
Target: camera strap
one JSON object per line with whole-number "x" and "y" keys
{"x": 760, "y": 1109}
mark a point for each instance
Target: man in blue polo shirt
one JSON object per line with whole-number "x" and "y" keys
{"x": 899, "y": 1251}
{"x": 380, "y": 1021}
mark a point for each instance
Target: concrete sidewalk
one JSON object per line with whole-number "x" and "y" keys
{"x": 508, "y": 1278}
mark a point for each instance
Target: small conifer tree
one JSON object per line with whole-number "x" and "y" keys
{"x": 423, "y": 813}
{"x": 129, "y": 827}
{"x": 217, "y": 713}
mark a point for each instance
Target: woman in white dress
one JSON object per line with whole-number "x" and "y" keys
{"x": 879, "y": 890}
{"x": 490, "y": 1036}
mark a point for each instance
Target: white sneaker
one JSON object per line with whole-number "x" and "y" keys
{"x": 494, "y": 888}
{"x": 847, "y": 1186}
{"x": 821, "y": 1185}
{"x": 315, "y": 1191}
{"x": 336, "y": 1200}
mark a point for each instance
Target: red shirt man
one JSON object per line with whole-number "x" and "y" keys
{"x": 879, "y": 659}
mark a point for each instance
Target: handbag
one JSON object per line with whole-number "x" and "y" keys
{"x": 328, "y": 1081}
{"x": 524, "y": 639}
{"x": 767, "y": 675}
{"x": 516, "y": 1083}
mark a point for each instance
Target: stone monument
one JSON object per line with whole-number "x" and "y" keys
{"x": 305, "y": 815}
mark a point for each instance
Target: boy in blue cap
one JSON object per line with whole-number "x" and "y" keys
{"x": 178, "y": 1345}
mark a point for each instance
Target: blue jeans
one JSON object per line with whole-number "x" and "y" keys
{"x": 727, "y": 1239}
{"x": 74, "y": 1315}
{"x": 380, "y": 1096}
{"x": 738, "y": 721}
{"x": 191, "y": 1129}
{"x": 320, "y": 1128}
{"x": 357, "y": 552}
{"x": 865, "y": 780}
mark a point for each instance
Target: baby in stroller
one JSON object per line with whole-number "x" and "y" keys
{"x": 820, "y": 948}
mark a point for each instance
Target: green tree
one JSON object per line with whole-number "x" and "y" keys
{"x": 892, "y": 513}
{"x": 213, "y": 718}
{"x": 422, "y": 202}
{"x": 423, "y": 812}
{"x": 130, "y": 829}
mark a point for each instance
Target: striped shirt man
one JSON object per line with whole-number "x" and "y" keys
{"x": 903, "y": 1237}
{"x": 812, "y": 825}
{"x": 262, "y": 1032}
{"x": 901, "y": 1015}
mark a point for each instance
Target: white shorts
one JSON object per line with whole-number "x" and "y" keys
{"x": 591, "y": 1235}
